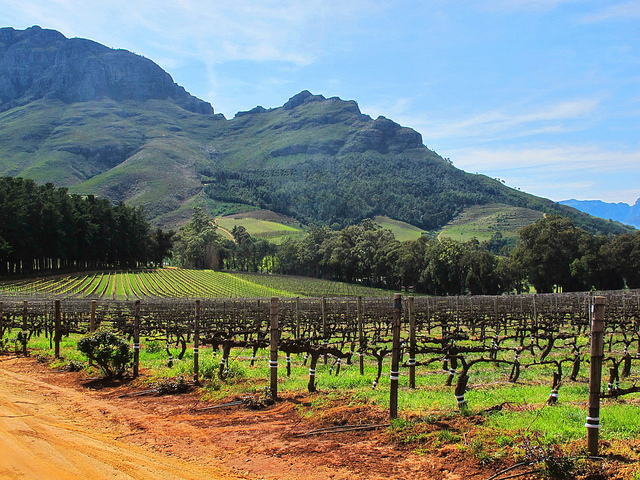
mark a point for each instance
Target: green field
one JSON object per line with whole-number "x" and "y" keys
{"x": 402, "y": 231}
{"x": 182, "y": 283}
{"x": 483, "y": 221}
{"x": 275, "y": 232}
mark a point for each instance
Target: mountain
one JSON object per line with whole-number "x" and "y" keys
{"x": 111, "y": 123}
{"x": 619, "y": 212}
{"x": 38, "y": 64}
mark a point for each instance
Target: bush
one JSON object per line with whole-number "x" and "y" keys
{"x": 108, "y": 351}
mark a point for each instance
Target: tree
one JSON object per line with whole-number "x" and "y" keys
{"x": 545, "y": 252}
{"x": 411, "y": 261}
{"x": 197, "y": 244}
{"x": 623, "y": 253}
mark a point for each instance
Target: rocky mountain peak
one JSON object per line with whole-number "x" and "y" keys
{"x": 37, "y": 63}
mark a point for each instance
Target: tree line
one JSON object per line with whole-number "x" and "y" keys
{"x": 550, "y": 255}
{"x": 43, "y": 229}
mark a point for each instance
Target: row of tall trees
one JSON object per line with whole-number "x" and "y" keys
{"x": 44, "y": 229}
{"x": 551, "y": 254}
{"x": 368, "y": 254}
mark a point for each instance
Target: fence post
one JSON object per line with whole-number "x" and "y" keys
{"x": 412, "y": 344}
{"x": 56, "y": 327}
{"x": 92, "y": 318}
{"x": 25, "y": 326}
{"x": 136, "y": 340}
{"x": 196, "y": 345}
{"x": 395, "y": 356}
{"x": 297, "y": 332}
{"x": 325, "y": 336}
{"x": 273, "y": 361}
{"x": 361, "y": 339}
{"x": 595, "y": 377}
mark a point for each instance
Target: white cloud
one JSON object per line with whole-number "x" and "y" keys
{"x": 270, "y": 30}
{"x": 493, "y": 125}
{"x": 535, "y": 5}
{"x": 624, "y": 11}
{"x": 567, "y": 158}
{"x": 558, "y": 173}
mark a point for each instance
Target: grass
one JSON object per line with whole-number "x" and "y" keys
{"x": 275, "y": 232}
{"x": 402, "y": 231}
{"x": 523, "y": 408}
{"x": 483, "y": 221}
{"x": 504, "y": 420}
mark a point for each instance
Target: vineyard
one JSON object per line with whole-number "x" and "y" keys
{"x": 180, "y": 283}
{"x": 462, "y": 335}
{"x": 516, "y": 358}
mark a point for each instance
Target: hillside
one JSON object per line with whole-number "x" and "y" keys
{"x": 109, "y": 122}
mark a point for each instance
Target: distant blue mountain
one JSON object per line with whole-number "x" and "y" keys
{"x": 621, "y": 212}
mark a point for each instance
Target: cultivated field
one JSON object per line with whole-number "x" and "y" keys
{"x": 180, "y": 283}
{"x": 501, "y": 381}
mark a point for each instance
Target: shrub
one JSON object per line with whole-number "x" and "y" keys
{"x": 108, "y": 351}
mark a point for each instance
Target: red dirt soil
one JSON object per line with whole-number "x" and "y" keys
{"x": 60, "y": 425}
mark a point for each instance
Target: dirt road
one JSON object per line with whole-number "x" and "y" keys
{"x": 59, "y": 425}
{"x": 48, "y": 432}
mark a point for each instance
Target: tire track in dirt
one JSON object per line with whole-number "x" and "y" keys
{"x": 36, "y": 444}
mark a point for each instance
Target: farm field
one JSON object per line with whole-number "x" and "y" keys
{"x": 181, "y": 283}
{"x": 430, "y": 439}
{"x": 263, "y": 224}
{"x": 482, "y": 221}
{"x": 402, "y": 231}
{"x": 484, "y": 386}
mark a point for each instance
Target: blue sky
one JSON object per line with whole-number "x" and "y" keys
{"x": 544, "y": 94}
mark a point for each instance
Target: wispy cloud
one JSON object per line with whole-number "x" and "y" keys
{"x": 625, "y": 10}
{"x": 567, "y": 158}
{"x": 270, "y": 30}
{"x": 529, "y": 5}
{"x": 496, "y": 125}
{"x": 559, "y": 173}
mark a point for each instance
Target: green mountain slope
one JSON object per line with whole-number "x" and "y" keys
{"x": 123, "y": 130}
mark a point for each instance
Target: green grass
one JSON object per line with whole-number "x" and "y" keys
{"x": 483, "y": 221}
{"x": 402, "y": 231}
{"x": 524, "y": 410}
{"x": 503, "y": 420}
{"x": 273, "y": 231}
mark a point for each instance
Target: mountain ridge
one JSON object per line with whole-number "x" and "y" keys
{"x": 123, "y": 130}
{"x": 79, "y": 70}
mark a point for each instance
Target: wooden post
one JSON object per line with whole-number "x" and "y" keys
{"x": 412, "y": 344}
{"x": 57, "y": 334}
{"x": 25, "y": 326}
{"x": 196, "y": 345}
{"x": 395, "y": 356}
{"x": 360, "y": 335}
{"x": 297, "y": 332}
{"x": 324, "y": 326}
{"x": 273, "y": 361}
{"x": 136, "y": 340}
{"x": 92, "y": 318}
{"x": 595, "y": 377}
